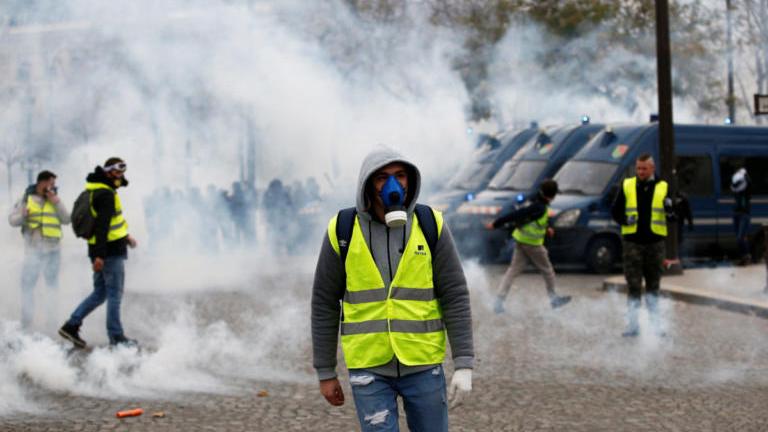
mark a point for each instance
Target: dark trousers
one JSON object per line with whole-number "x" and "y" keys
{"x": 643, "y": 261}
{"x": 741, "y": 226}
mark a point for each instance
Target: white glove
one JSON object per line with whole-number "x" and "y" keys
{"x": 461, "y": 386}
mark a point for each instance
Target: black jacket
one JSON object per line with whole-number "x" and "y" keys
{"x": 645, "y": 190}
{"x": 523, "y": 215}
{"x": 104, "y": 205}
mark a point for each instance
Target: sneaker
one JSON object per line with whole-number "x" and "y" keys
{"x": 559, "y": 301}
{"x": 631, "y": 332}
{"x": 498, "y": 307}
{"x": 71, "y": 333}
{"x": 123, "y": 341}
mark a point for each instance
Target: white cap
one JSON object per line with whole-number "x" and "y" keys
{"x": 739, "y": 180}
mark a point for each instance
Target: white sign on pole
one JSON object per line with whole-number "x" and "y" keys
{"x": 761, "y": 104}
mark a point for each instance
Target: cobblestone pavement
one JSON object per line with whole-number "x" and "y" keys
{"x": 537, "y": 370}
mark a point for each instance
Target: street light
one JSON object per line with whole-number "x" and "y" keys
{"x": 666, "y": 133}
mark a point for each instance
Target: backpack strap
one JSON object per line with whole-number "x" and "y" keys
{"x": 345, "y": 222}
{"x": 428, "y": 224}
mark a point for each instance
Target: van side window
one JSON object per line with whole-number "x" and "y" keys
{"x": 756, "y": 168}
{"x": 694, "y": 175}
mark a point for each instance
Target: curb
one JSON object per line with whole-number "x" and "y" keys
{"x": 699, "y": 296}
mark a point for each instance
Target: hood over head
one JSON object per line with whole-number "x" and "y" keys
{"x": 378, "y": 159}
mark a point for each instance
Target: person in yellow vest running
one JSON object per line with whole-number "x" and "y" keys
{"x": 641, "y": 208}
{"x": 393, "y": 296}
{"x": 108, "y": 250}
{"x": 40, "y": 214}
{"x": 532, "y": 225}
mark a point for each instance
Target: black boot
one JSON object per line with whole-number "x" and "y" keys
{"x": 558, "y": 301}
{"x": 123, "y": 341}
{"x": 71, "y": 333}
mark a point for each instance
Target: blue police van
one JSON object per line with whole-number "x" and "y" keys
{"x": 491, "y": 152}
{"x": 706, "y": 158}
{"x": 540, "y": 158}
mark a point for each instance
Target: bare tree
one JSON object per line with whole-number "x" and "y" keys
{"x": 11, "y": 153}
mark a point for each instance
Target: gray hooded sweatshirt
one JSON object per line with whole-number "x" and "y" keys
{"x": 386, "y": 245}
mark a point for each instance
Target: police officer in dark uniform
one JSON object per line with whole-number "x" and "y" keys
{"x": 641, "y": 208}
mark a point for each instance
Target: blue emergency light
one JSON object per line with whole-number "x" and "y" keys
{"x": 585, "y": 119}
{"x": 520, "y": 198}
{"x": 469, "y": 196}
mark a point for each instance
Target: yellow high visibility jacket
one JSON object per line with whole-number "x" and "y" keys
{"x": 658, "y": 215}
{"x": 403, "y": 320}
{"x": 43, "y": 217}
{"x": 533, "y": 232}
{"x": 118, "y": 226}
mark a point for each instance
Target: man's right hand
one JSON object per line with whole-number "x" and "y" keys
{"x": 98, "y": 264}
{"x": 331, "y": 389}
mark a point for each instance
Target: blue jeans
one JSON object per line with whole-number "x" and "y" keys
{"x": 741, "y": 226}
{"x": 424, "y": 400}
{"x": 35, "y": 262}
{"x": 107, "y": 285}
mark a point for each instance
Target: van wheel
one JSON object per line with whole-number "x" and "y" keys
{"x": 602, "y": 255}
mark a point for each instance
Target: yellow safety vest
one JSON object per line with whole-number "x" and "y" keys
{"x": 405, "y": 320}
{"x": 43, "y": 217}
{"x": 533, "y": 232}
{"x": 118, "y": 227}
{"x": 658, "y": 215}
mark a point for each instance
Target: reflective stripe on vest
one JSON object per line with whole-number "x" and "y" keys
{"x": 404, "y": 320}
{"x": 534, "y": 231}
{"x": 658, "y": 215}
{"x": 43, "y": 217}
{"x": 118, "y": 226}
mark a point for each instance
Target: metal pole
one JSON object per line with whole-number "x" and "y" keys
{"x": 666, "y": 134}
{"x": 731, "y": 99}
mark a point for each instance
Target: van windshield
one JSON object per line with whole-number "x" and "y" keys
{"x": 525, "y": 175}
{"x": 506, "y": 171}
{"x": 585, "y": 177}
{"x": 477, "y": 170}
{"x": 473, "y": 176}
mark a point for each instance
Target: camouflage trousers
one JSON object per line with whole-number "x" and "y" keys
{"x": 643, "y": 261}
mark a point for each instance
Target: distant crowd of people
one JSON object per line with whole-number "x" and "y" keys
{"x": 219, "y": 218}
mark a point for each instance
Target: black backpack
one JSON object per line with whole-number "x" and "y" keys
{"x": 345, "y": 222}
{"x": 82, "y": 219}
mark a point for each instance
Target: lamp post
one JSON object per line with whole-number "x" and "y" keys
{"x": 666, "y": 133}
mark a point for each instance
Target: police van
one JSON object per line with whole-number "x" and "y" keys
{"x": 542, "y": 155}
{"x": 491, "y": 152}
{"x": 706, "y": 158}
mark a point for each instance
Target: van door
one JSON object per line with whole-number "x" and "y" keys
{"x": 696, "y": 185}
{"x": 755, "y": 160}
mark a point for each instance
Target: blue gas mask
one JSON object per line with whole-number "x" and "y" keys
{"x": 393, "y": 196}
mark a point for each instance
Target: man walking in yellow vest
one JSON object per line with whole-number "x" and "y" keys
{"x": 531, "y": 226}
{"x": 389, "y": 280}
{"x": 40, "y": 214}
{"x": 641, "y": 207}
{"x": 108, "y": 250}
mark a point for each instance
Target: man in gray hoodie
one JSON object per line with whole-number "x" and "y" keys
{"x": 394, "y": 297}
